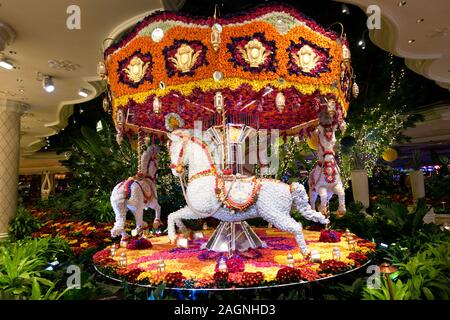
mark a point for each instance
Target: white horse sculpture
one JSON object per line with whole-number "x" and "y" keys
{"x": 324, "y": 179}
{"x": 270, "y": 199}
{"x": 136, "y": 194}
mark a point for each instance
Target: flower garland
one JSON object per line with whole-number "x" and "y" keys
{"x": 301, "y": 107}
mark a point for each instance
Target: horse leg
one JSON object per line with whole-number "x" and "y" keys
{"x": 175, "y": 218}
{"x": 120, "y": 210}
{"x": 313, "y": 199}
{"x": 155, "y": 206}
{"x": 323, "y": 200}
{"x": 284, "y": 222}
{"x": 140, "y": 223}
{"x": 339, "y": 190}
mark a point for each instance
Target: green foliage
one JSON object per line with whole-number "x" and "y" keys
{"x": 398, "y": 221}
{"x": 292, "y": 160}
{"x": 437, "y": 186}
{"x": 356, "y": 220}
{"x": 23, "y": 224}
{"x": 22, "y": 273}
{"x": 423, "y": 276}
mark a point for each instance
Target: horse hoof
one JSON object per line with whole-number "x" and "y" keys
{"x": 340, "y": 213}
{"x": 306, "y": 254}
{"x": 157, "y": 224}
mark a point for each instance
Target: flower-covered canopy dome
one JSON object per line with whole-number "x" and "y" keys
{"x": 270, "y": 68}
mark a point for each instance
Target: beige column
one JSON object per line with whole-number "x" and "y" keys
{"x": 10, "y": 113}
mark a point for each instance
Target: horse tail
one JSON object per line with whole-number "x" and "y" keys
{"x": 301, "y": 202}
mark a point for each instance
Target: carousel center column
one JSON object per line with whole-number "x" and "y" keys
{"x": 10, "y": 113}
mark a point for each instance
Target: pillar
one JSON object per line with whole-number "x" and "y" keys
{"x": 10, "y": 113}
{"x": 360, "y": 187}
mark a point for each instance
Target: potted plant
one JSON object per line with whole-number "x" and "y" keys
{"x": 358, "y": 173}
{"x": 416, "y": 176}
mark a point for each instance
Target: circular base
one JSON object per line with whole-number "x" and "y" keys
{"x": 199, "y": 265}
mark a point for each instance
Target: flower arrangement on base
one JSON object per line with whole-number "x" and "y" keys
{"x": 221, "y": 279}
{"x": 235, "y": 264}
{"x": 174, "y": 279}
{"x": 331, "y": 267}
{"x": 329, "y": 236}
{"x": 358, "y": 257}
{"x": 139, "y": 244}
{"x": 288, "y": 275}
{"x": 251, "y": 279}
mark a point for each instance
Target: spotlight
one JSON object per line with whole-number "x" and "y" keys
{"x": 83, "y": 92}
{"x": 362, "y": 44}
{"x": 5, "y": 64}
{"x": 345, "y": 9}
{"x": 47, "y": 84}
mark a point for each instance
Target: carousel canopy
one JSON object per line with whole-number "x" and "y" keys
{"x": 270, "y": 68}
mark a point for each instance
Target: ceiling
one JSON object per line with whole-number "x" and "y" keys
{"x": 418, "y": 31}
{"x": 42, "y": 35}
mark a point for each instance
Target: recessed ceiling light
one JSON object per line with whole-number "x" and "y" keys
{"x": 411, "y": 40}
{"x": 47, "y": 84}
{"x": 83, "y": 92}
{"x": 401, "y": 3}
{"x": 5, "y": 64}
{"x": 420, "y": 20}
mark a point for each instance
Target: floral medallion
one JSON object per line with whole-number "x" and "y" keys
{"x": 136, "y": 69}
{"x": 184, "y": 57}
{"x": 173, "y": 121}
{"x": 253, "y": 53}
{"x": 308, "y": 59}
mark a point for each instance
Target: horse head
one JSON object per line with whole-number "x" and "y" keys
{"x": 176, "y": 145}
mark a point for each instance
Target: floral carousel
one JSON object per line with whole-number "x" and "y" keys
{"x": 219, "y": 92}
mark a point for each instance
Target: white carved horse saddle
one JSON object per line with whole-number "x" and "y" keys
{"x": 237, "y": 192}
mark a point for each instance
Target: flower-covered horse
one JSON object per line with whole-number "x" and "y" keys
{"x": 324, "y": 179}
{"x": 136, "y": 194}
{"x": 206, "y": 194}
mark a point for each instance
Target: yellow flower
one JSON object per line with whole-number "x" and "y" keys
{"x": 84, "y": 245}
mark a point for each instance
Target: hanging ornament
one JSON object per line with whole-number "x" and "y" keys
{"x": 119, "y": 117}
{"x": 218, "y": 101}
{"x": 215, "y": 36}
{"x": 346, "y": 53}
{"x": 156, "y": 106}
{"x": 390, "y": 154}
{"x": 280, "y": 101}
{"x": 101, "y": 69}
{"x": 106, "y": 104}
{"x": 355, "y": 89}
